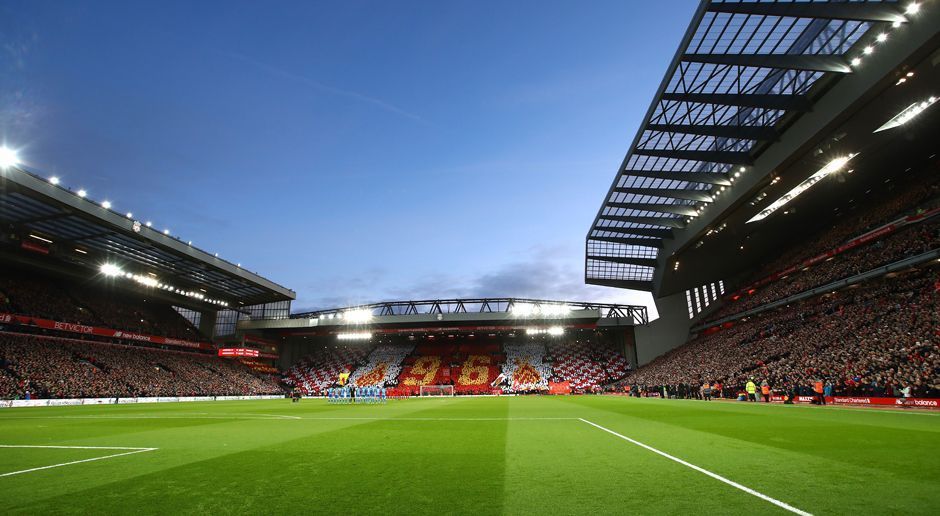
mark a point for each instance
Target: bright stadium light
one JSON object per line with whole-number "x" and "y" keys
{"x": 166, "y": 231}
{"x": 358, "y": 316}
{"x": 130, "y": 215}
{"x": 881, "y": 38}
{"x": 553, "y": 331}
{"x": 54, "y": 180}
{"x": 912, "y": 8}
{"x": 82, "y": 193}
{"x": 524, "y": 309}
{"x": 110, "y": 270}
{"x": 830, "y": 168}
{"x": 147, "y": 281}
{"x": 8, "y": 158}
{"x": 360, "y": 335}
{"x": 907, "y": 114}
{"x": 106, "y": 205}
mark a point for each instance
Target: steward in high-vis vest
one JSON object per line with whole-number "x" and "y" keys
{"x": 818, "y": 388}
{"x": 751, "y": 389}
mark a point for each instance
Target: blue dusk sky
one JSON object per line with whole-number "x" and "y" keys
{"x": 353, "y": 151}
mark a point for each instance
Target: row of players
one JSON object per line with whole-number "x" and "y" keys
{"x": 357, "y": 395}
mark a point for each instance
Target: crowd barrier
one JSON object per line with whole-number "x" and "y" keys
{"x": 121, "y": 401}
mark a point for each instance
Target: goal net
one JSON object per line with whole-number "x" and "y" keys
{"x": 437, "y": 390}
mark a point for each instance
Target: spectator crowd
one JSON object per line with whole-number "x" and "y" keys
{"x": 919, "y": 193}
{"x": 875, "y": 339}
{"x": 47, "y": 299}
{"x": 52, "y": 367}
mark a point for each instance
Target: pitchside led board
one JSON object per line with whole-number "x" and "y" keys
{"x": 238, "y": 352}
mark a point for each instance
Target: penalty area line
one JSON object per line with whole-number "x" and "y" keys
{"x": 113, "y": 455}
{"x": 704, "y": 471}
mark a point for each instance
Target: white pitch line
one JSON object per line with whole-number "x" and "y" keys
{"x": 73, "y": 447}
{"x": 704, "y": 471}
{"x": 133, "y": 451}
{"x": 442, "y": 418}
{"x": 281, "y": 417}
{"x": 167, "y": 416}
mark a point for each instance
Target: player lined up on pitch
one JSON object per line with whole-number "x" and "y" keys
{"x": 366, "y": 395}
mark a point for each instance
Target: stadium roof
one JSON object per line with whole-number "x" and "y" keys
{"x": 483, "y": 305}
{"x": 743, "y": 74}
{"x": 55, "y": 221}
{"x": 449, "y": 312}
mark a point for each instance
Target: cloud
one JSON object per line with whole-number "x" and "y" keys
{"x": 544, "y": 273}
{"x": 332, "y": 90}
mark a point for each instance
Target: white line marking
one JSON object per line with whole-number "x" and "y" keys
{"x": 280, "y": 417}
{"x": 73, "y": 447}
{"x": 166, "y": 416}
{"x": 444, "y": 418}
{"x": 716, "y": 476}
{"x": 133, "y": 451}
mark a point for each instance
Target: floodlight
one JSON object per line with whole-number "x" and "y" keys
{"x": 8, "y": 158}
{"x": 907, "y": 114}
{"x": 361, "y": 315}
{"x": 354, "y": 336}
{"x": 110, "y": 270}
{"x": 833, "y": 166}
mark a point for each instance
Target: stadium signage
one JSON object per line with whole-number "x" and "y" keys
{"x": 123, "y": 401}
{"x": 238, "y": 352}
{"x": 100, "y": 332}
{"x": 72, "y": 327}
{"x": 869, "y": 400}
{"x": 36, "y": 248}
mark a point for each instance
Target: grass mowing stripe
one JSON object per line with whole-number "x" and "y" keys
{"x": 10, "y": 474}
{"x": 704, "y": 471}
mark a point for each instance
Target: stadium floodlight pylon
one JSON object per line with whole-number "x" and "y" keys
{"x": 436, "y": 390}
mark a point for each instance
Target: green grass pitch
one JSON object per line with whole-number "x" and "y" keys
{"x": 525, "y": 455}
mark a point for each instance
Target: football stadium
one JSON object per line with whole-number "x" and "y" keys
{"x": 780, "y": 202}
